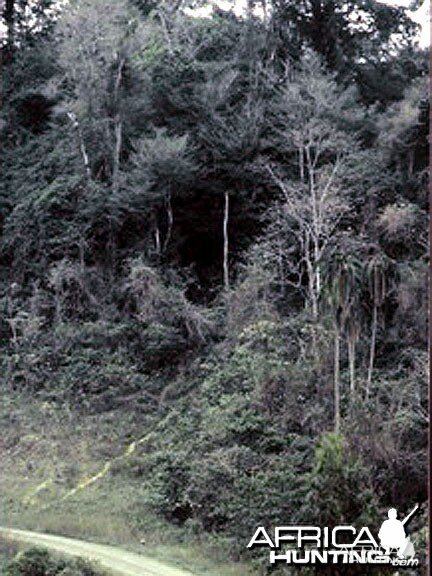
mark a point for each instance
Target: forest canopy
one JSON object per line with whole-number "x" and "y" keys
{"x": 224, "y": 219}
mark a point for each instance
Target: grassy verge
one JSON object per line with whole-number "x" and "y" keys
{"x": 47, "y": 451}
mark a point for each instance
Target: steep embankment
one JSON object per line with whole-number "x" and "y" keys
{"x": 118, "y": 561}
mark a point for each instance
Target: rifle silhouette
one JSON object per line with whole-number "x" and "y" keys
{"x": 405, "y": 520}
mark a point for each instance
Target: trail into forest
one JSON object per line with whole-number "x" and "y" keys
{"x": 117, "y": 561}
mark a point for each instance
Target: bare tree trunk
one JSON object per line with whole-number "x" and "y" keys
{"x": 315, "y": 219}
{"x": 157, "y": 240}
{"x": 337, "y": 417}
{"x": 372, "y": 349}
{"x": 81, "y": 142}
{"x": 118, "y": 127}
{"x": 282, "y": 287}
{"x": 315, "y": 352}
{"x": 314, "y": 272}
{"x": 170, "y": 218}
{"x": 84, "y": 155}
{"x": 118, "y": 135}
{"x": 118, "y": 141}
{"x": 351, "y": 362}
{"x": 226, "y": 242}
{"x": 301, "y": 164}
{"x": 313, "y": 303}
{"x": 411, "y": 162}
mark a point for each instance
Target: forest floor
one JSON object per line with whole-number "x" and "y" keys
{"x": 58, "y": 477}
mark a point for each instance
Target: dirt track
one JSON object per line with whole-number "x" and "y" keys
{"x": 117, "y": 561}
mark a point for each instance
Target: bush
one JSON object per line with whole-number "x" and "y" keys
{"x": 339, "y": 487}
{"x": 38, "y": 562}
{"x": 33, "y": 562}
{"x": 229, "y": 456}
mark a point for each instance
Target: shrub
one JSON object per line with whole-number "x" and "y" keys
{"x": 38, "y": 562}
{"x": 339, "y": 486}
{"x": 33, "y": 562}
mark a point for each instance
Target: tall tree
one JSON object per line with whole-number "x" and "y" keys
{"x": 229, "y": 139}
{"x": 102, "y": 53}
{"x": 354, "y": 37}
{"x": 376, "y": 269}
{"x": 317, "y": 147}
{"x": 162, "y": 168}
{"x": 343, "y": 279}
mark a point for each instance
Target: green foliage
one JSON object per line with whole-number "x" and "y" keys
{"x": 352, "y": 37}
{"x": 339, "y": 487}
{"x": 38, "y": 562}
{"x": 126, "y": 127}
{"x": 35, "y": 562}
{"x": 235, "y": 440}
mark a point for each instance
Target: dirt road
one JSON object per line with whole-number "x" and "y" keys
{"x": 117, "y": 561}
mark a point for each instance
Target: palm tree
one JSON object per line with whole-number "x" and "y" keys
{"x": 343, "y": 278}
{"x": 376, "y": 270}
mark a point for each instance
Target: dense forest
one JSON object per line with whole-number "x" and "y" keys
{"x": 219, "y": 225}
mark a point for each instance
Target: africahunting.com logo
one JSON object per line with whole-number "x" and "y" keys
{"x": 340, "y": 544}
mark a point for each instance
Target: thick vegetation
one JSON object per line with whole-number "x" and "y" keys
{"x": 38, "y": 562}
{"x": 220, "y": 223}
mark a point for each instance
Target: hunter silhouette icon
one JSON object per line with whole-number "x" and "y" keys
{"x": 392, "y": 533}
